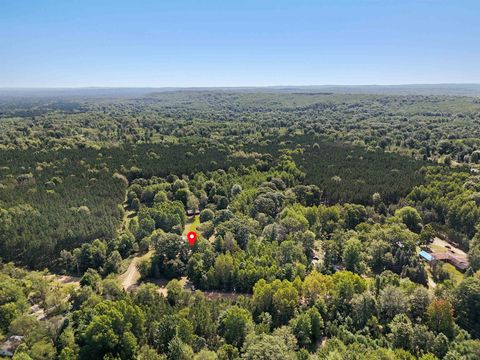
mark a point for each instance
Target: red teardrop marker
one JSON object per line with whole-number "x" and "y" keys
{"x": 192, "y": 236}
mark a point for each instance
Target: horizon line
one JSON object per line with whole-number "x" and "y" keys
{"x": 93, "y": 87}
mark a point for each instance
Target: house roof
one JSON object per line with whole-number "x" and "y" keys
{"x": 427, "y": 256}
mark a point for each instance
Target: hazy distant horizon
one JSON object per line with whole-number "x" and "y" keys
{"x": 237, "y": 86}
{"x": 466, "y": 89}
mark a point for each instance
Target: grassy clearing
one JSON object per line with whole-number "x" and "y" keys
{"x": 437, "y": 248}
{"x": 455, "y": 275}
{"x": 192, "y": 224}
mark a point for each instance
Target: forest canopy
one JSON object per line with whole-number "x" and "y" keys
{"x": 329, "y": 226}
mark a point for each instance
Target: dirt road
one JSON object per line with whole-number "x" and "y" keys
{"x": 131, "y": 277}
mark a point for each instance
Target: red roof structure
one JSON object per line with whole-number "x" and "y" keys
{"x": 458, "y": 261}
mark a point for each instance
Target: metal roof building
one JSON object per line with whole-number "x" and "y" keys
{"x": 427, "y": 256}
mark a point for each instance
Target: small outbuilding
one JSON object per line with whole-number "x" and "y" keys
{"x": 426, "y": 256}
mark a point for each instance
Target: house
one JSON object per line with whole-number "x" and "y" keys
{"x": 458, "y": 261}
{"x": 8, "y": 347}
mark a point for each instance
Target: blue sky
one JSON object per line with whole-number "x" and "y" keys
{"x": 71, "y": 43}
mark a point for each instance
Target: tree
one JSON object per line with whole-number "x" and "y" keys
{"x": 267, "y": 347}
{"x": 419, "y": 302}
{"x": 264, "y": 324}
{"x": 170, "y": 254}
{"x": 440, "y": 317}
{"x": 380, "y": 255}
{"x": 427, "y": 234}
{"x": 474, "y": 256}
{"x": 263, "y": 295}
{"x": 182, "y": 195}
{"x": 234, "y": 325}
{"x": 168, "y": 215}
{"x": 202, "y": 318}
{"x": 285, "y": 302}
{"x": 316, "y": 286}
{"x": 160, "y": 197}
{"x": 402, "y": 331}
{"x": 174, "y": 292}
{"x": 206, "y": 215}
{"x": 440, "y": 345}
{"x": 307, "y": 328}
{"x": 111, "y": 328}
{"x": 68, "y": 261}
{"x": 447, "y": 160}
{"x": 178, "y": 350}
{"x": 363, "y": 308}
{"x": 410, "y": 217}
{"x": 302, "y": 329}
{"x": 165, "y": 330}
{"x": 307, "y": 239}
{"x": 126, "y": 243}
{"x": 147, "y": 353}
{"x": 113, "y": 263}
{"x": 205, "y": 355}
{"x": 236, "y": 189}
{"x": 22, "y": 356}
{"x": 346, "y": 285}
{"x": 90, "y": 278}
{"x": 391, "y": 302}
{"x": 13, "y": 302}
{"x": 42, "y": 350}
{"x": 422, "y": 340}
{"x": 467, "y": 305}
{"x": 352, "y": 255}
{"x": 354, "y": 215}
{"x": 227, "y": 352}
{"x": 376, "y": 199}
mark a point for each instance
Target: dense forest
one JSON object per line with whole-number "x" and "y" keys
{"x": 329, "y": 226}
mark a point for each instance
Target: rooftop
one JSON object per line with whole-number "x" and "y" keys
{"x": 427, "y": 256}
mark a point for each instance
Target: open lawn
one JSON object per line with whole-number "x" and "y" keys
{"x": 192, "y": 223}
{"x": 455, "y": 275}
{"x": 438, "y": 248}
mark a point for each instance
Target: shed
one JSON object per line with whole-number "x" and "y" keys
{"x": 427, "y": 256}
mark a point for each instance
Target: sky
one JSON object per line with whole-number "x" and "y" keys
{"x": 189, "y": 43}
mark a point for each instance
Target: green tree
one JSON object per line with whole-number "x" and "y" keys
{"x": 419, "y": 302}
{"x": 440, "y": 317}
{"x": 234, "y": 325}
{"x": 174, "y": 292}
{"x": 285, "y": 302}
{"x": 363, "y": 308}
{"x": 467, "y": 304}
{"x": 111, "y": 328}
{"x": 391, "y": 302}
{"x": 440, "y": 345}
{"x": 410, "y": 217}
{"x": 267, "y": 347}
{"x": 178, "y": 350}
{"x": 206, "y": 215}
{"x": 354, "y": 215}
{"x": 402, "y": 331}
{"x": 302, "y": 329}
{"x": 474, "y": 256}
{"x": 352, "y": 255}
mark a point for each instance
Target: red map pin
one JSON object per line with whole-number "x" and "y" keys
{"x": 192, "y": 236}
